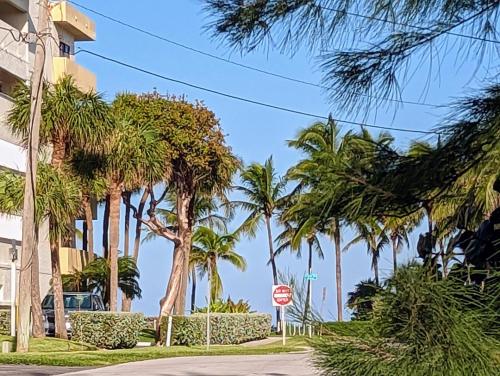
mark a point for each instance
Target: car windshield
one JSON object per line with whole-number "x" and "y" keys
{"x": 73, "y": 301}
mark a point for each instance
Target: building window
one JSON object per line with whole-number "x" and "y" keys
{"x": 64, "y": 49}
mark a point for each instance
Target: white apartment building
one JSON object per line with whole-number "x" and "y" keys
{"x": 67, "y": 26}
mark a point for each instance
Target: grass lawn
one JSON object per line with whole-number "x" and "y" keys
{"x": 55, "y": 352}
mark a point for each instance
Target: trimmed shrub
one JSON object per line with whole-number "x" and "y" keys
{"x": 5, "y": 322}
{"x": 108, "y": 330}
{"x": 225, "y": 328}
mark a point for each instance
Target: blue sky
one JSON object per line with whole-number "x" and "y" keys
{"x": 253, "y": 132}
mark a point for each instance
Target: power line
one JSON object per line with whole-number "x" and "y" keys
{"x": 241, "y": 65}
{"x": 242, "y": 99}
{"x": 382, "y": 20}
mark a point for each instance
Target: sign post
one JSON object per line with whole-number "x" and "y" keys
{"x": 282, "y": 297}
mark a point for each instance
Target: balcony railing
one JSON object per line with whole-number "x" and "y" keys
{"x": 81, "y": 27}
{"x": 84, "y": 78}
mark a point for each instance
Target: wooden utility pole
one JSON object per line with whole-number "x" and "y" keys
{"x": 28, "y": 233}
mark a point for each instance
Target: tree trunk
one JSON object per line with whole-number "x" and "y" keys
{"x": 114, "y": 239}
{"x": 57, "y": 289}
{"x": 90, "y": 229}
{"x": 105, "y": 229}
{"x": 37, "y": 329}
{"x": 338, "y": 270}
{"x": 193, "y": 290}
{"x": 273, "y": 263}
{"x": 126, "y": 302}
{"x": 85, "y": 239}
{"x": 184, "y": 219}
{"x": 395, "y": 253}
{"x": 375, "y": 268}
{"x": 167, "y": 302}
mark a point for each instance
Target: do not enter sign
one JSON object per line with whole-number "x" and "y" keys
{"x": 282, "y": 295}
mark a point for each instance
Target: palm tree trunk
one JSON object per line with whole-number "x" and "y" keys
{"x": 338, "y": 269}
{"x": 193, "y": 290}
{"x": 114, "y": 238}
{"x": 394, "y": 253}
{"x": 90, "y": 229}
{"x": 375, "y": 268}
{"x": 60, "y": 323}
{"x": 126, "y": 302}
{"x": 105, "y": 229}
{"x": 273, "y": 263}
{"x": 38, "y": 329}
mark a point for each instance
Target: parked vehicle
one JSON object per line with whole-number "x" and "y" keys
{"x": 73, "y": 301}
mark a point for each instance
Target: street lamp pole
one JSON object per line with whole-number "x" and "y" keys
{"x": 13, "y": 256}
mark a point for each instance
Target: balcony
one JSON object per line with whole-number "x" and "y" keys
{"x": 65, "y": 66}
{"x": 13, "y": 54}
{"x": 74, "y": 22}
{"x": 72, "y": 259}
{"x": 15, "y": 5}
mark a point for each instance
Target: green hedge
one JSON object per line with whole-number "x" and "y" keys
{"x": 5, "y": 322}
{"x": 360, "y": 329}
{"x": 226, "y": 328}
{"x": 108, "y": 330}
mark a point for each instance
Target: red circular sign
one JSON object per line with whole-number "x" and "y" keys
{"x": 282, "y": 295}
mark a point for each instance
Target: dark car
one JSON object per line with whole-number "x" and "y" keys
{"x": 73, "y": 301}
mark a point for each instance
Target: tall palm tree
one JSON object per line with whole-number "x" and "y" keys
{"x": 375, "y": 238}
{"x": 398, "y": 230}
{"x": 291, "y": 239}
{"x": 322, "y": 145}
{"x": 133, "y": 157}
{"x": 263, "y": 190}
{"x": 209, "y": 248}
{"x": 70, "y": 119}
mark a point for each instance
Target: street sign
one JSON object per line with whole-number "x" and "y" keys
{"x": 311, "y": 277}
{"x": 282, "y": 295}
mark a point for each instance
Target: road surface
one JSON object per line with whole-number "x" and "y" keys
{"x": 248, "y": 365}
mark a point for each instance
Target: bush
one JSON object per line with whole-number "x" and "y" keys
{"x": 228, "y": 306}
{"x": 5, "y": 322}
{"x": 108, "y": 330}
{"x": 360, "y": 329}
{"x": 421, "y": 327}
{"x": 226, "y": 328}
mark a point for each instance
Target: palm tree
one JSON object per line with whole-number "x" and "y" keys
{"x": 398, "y": 230}
{"x": 95, "y": 275}
{"x": 209, "y": 248}
{"x": 376, "y": 239}
{"x": 291, "y": 239}
{"x": 322, "y": 147}
{"x": 263, "y": 190}
{"x": 70, "y": 119}
{"x": 59, "y": 197}
{"x": 134, "y": 156}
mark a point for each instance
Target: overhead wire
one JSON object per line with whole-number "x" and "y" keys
{"x": 241, "y": 65}
{"x": 243, "y": 99}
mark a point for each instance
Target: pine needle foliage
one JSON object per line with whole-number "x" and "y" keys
{"x": 422, "y": 327}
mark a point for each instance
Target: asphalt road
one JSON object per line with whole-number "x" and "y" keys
{"x": 19, "y": 370}
{"x": 248, "y": 365}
